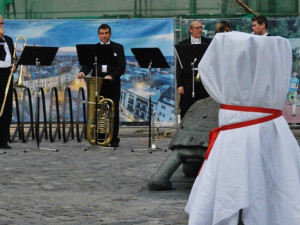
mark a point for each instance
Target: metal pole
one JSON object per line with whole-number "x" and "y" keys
{"x": 193, "y": 7}
{"x": 26, "y": 17}
{"x": 135, "y": 8}
{"x": 178, "y": 28}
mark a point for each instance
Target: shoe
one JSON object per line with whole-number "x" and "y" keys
{"x": 114, "y": 144}
{"x": 294, "y": 114}
{"x": 5, "y": 146}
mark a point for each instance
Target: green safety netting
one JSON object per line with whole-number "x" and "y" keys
{"x": 80, "y": 9}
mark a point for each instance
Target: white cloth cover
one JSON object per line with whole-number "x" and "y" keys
{"x": 254, "y": 168}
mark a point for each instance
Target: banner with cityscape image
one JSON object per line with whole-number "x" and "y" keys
{"x": 135, "y": 86}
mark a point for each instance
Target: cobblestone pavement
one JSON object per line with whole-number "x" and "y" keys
{"x": 99, "y": 186}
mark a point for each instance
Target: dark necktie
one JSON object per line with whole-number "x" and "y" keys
{"x": 2, "y": 50}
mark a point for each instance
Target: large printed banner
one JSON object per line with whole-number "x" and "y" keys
{"x": 135, "y": 85}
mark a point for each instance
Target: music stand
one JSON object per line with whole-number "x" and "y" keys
{"x": 149, "y": 58}
{"x": 38, "y": 56}
{"x": 189, "y": 57}
{"x": 94, "y": 54}
{"x": 89, "y": 54}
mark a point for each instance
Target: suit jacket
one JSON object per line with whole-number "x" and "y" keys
{"x": 10, "y": 44}
{"x": 204, "y": 40}
{"x": 181, "y": 77}
{"x": 111, "y": 89}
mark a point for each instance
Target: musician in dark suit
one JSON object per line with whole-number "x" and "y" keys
{"x": 260, "y": 25}
{"x": 111, "y": 74}
{"x": 185, "y": 80}
{"x": 6, "y": 57}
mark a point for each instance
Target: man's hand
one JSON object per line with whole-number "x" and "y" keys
{"x": 180, "y": 90}
{"x": 108, "y": 77}
{"x": 14, "y": 68}
{"x": 80, "y": 75}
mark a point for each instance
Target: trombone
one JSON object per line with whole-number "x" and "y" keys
{"x": 19, "y": 82}
{"x": 14, "y": 64}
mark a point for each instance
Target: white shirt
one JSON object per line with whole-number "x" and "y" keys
{"x": 107, "y": 43}
{"x": 104, "y": 67}
{"x": 195, "y": 40}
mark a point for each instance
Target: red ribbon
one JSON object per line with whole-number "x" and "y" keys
{"x": 275, "y": 113}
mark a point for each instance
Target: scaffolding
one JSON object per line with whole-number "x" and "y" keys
{"x": 92, "y": 9}
{"x": 8, "y": 9}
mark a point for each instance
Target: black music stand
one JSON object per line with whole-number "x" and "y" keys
{"x": 94, "y": 54}
{"x": 150, "y": 58}
{"x": 38, "y": 56}
{"x": 89, "y": 54}
{"x": 189, "y": 57}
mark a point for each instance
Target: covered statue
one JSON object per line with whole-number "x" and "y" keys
{"x": 253, "y": 160}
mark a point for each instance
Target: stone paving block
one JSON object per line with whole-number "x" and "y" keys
{"x": 97, "y": 186}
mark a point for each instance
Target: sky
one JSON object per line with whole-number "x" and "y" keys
{"x": 131, "y": 33}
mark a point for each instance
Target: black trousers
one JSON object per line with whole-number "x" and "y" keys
{"x": 240, "y": 222}
{"x": 186, "y": 99}
{"x": 116, "y": 121}
{"x": 112, "y": 91}
{"x": 5, "y": 119}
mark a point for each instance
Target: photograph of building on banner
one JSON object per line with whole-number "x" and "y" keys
{"x": 135, "y": 86}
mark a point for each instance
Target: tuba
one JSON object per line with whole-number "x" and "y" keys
{"x": 15, "y": 62}
{"x": 100, "y": 120}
